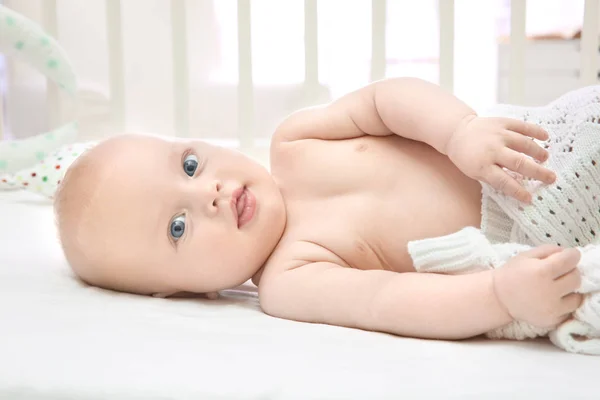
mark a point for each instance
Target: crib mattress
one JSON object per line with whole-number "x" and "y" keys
{"x": 63, "y": 340}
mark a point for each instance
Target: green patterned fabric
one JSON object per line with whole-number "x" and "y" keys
{"x": 26, "y": 40}
{"x": 45, "y": 176}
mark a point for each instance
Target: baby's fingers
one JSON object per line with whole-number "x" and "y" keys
{"x": 570, "y": 303}
{"x": 563, "y": 262}
{"x": 503, "y": 182}
{"x": 527, "y": 129}
{"x": 542, "y": 252}
{"x": 521, "y": 164}
{"x": 525, "y": 145}
{"x": 569, "y": 282}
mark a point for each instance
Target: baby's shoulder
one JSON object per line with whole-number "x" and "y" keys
{"x": 281, "y": 148}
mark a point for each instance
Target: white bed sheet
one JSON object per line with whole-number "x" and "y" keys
{"x": 62, "y": 340}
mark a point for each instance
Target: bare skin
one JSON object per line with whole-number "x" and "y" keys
{"x": 385, "y": 177}
{"x": 351, "y": 183}
{"x": 121, "y": 206}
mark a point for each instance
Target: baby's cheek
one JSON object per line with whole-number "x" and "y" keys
{"x": 215, "y": 236}
{"x": 222, "y": 246}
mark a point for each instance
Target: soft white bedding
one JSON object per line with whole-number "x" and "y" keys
{"x": 62, "y": 340}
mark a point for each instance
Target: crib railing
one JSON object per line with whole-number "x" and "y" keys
{"x": 588, "y": 62}
{"x": 589, "y": 43}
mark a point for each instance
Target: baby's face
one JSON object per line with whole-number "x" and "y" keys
{"x": 182, "y": 215}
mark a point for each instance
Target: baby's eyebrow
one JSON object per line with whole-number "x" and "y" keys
{"x": 164, "y": 215}
{"x": 175, "y": 153}
{"x": 161, "y": 226}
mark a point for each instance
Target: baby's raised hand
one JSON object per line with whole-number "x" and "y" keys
{"x": 482, "y": 147}
{"x": 538, "y": 286}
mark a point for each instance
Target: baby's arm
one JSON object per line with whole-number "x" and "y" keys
{"x": 535, "y": 295}
{"x": 407, "y": 304}
{"x": 408, "y": 107}
{"x": 484, "y": 149}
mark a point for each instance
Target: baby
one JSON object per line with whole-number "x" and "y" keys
{"x": 340, "y": 230}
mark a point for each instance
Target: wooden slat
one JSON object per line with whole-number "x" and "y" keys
{"x": 516, "y": 80}
{"x": 116, "y": 70}
{"x": 50, "y": 24}
{"x": 245, "y": 83}
{"x": 378, "y": 28}
{"x": 589, "y": 44}
{"x": 446, "y": 16}
{"x": 180, "y": 68}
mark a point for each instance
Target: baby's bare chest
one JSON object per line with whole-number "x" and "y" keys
{"x": 364, "y": 199}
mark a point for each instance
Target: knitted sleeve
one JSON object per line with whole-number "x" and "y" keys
{"x": 468, "y": 251}
{"x": 465, "y": 251}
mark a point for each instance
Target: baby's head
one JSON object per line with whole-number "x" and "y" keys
{"x": 148, "y": 215}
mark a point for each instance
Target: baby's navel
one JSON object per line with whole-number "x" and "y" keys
{"x": 362, "y": 147}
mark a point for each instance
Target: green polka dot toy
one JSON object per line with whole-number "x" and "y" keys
{"x": 26, "y": 41}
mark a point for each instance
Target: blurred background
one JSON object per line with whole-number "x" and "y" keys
{"x": 277, "y": 39}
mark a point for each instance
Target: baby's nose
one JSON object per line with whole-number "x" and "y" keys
{"x": 215, "y": 187}
{"x": 211, "y": 196}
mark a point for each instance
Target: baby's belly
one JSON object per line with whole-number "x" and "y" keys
{"x": 427, "y": 212}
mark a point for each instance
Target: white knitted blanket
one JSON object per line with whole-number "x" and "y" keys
{"x": 566, "y": 213}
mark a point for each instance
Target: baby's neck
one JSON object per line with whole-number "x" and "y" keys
{"x": 257, "y": 275}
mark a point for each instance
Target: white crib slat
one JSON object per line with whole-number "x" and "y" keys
{"x": 1, "y": 114}
{"x": 446, "y": 67}
{"x": 245, "y": 84}
{"x": 311, "y": 51}
{"x": 116, "y": 69}
{"x": 518, "y": 39}
{"x": 378, "y": 27}
{"x": 589, "y": 44}
{"x": 50, "y": 23}
{"x": 180, "y": 68}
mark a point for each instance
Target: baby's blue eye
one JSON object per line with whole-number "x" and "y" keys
{"x": 177, "y": 227}
{"x": 190, "y": 164}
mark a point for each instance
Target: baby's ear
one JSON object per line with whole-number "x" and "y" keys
{"x": 212, "y": 295}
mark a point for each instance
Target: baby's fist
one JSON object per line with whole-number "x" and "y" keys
{"x": 538, "y": 286}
